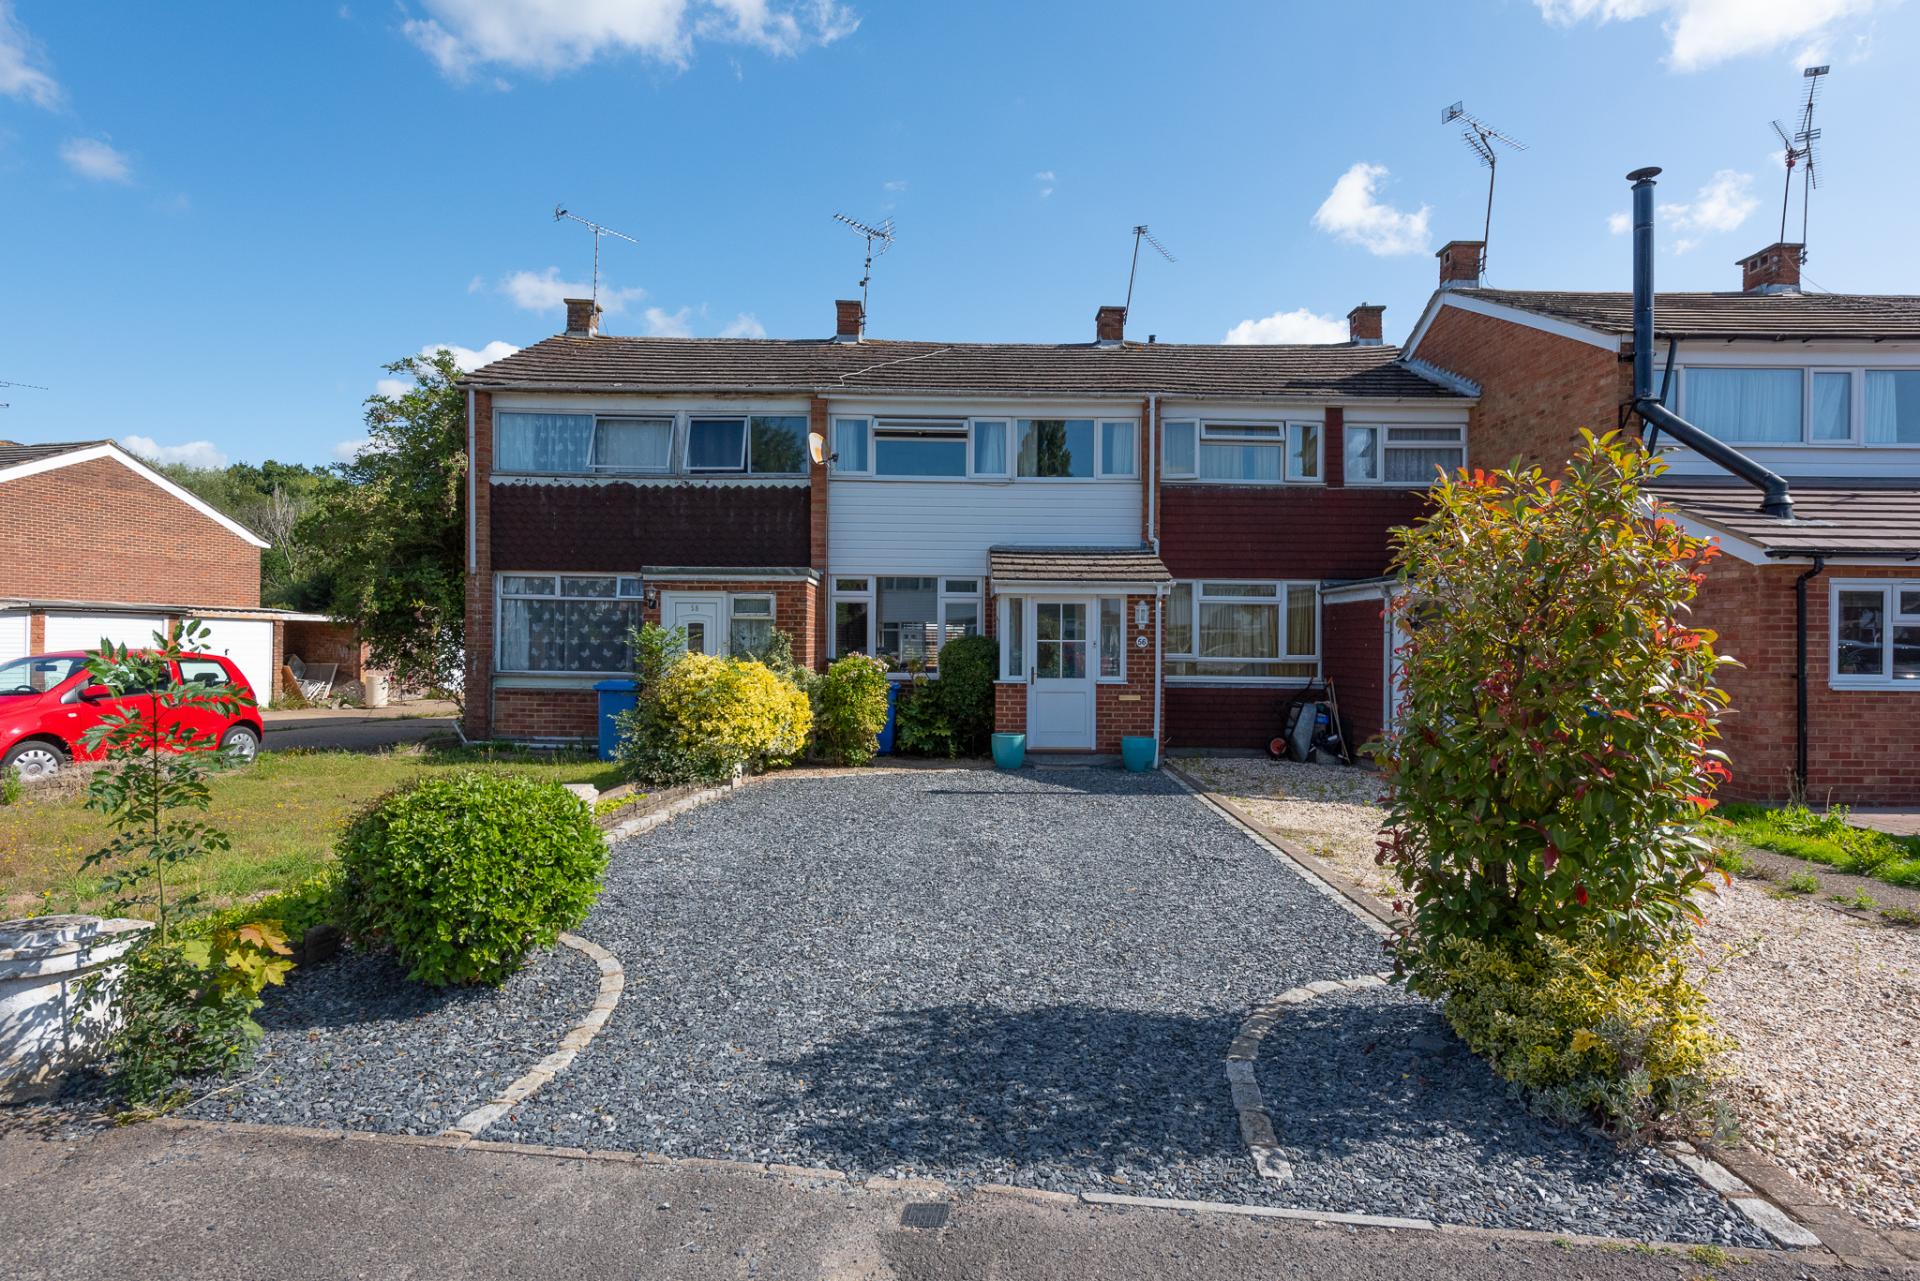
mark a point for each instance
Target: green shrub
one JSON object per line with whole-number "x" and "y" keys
{"x": 699, "y": 718}
{"x": 462, "y": 873}
{"x": 951, "y": 715}
{"x": 1589, "y": 1029}
{"x": 295, "y": 910}
{"x": 849, "y": 709}
{"x": 1552, "y": 756}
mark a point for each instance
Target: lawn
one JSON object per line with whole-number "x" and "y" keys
{"x": 283, "y": 813}
{"x": 1825, "y": 838}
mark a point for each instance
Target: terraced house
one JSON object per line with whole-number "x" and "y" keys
{"x": 1154, "y": 532}
{"x": 1822, "y": 607}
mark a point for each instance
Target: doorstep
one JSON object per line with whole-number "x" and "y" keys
{"x": 1053, "y": 758}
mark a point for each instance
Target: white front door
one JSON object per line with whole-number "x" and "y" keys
{"x": 702, "y": 615}
{"x": 1060, "y": 681}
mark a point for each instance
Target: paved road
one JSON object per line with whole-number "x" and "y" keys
{"x": 160, "y": 1201}
{"x": 356, "y": 730}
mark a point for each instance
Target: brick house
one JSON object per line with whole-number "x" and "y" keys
{"x": 1822, "y": 610}
{"x": 94, "y": 543}
{"x": 1147, "y": 528}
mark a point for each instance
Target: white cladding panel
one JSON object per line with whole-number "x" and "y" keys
{"x": 13, "y": 636}
{"x": 84, "y": 631}
{"x": 946, "y": 527}
{"x": 249, "y": 643}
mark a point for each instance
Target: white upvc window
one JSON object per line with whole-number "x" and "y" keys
{"x": 1803, "y": 405}
{"x": 904, "y": 620}
{"x": 574, "y": 623}
{"x": 987, "y": 448}
{"x": 1243, "y": 632}
{"x": 852, "y": 446}
{"x": 749, "y": 624}
{"x": 626, "y": 444}
{"x": 1110, "y": 618}
{"x": 1875, "y": 634}
{"x": 1242, "y": 453}
{"x": 1412, "y": 456}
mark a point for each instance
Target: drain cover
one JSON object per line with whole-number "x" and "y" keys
{"x": 925, "y": 1214}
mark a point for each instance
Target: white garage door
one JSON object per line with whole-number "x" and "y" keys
{"x": 249, "y": 643}
{"x": 13, "y": 636}
{"x": 84, "y": 631}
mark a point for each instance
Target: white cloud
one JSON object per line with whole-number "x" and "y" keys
{"x": 348, "y": 450}
{"x": 95, "y": 159}
{"x": 22, "y": 70}
{"x": 745, "y": 325}
{"x": 1299, "y": 325}
{"x": 669, "y": 324}
{"x": 546, "y": 291}
{"x": 393, "y": 386}
{"x": 467, "y": 358}
{"x": 195, "y": 453}
{"x": 1701, "y": 33}
{"x": 1720, "y": 206}
{"x": 1046, "y": 180}
{"x": 1619, "y": 224}
{"x": 552, "y": 36}
{"x": 895, "y": 185}
{"x": 1355, "y": 214}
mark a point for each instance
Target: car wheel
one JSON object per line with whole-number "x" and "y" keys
{"x": 241, "y": 741}
{"x": 34, "y": 760}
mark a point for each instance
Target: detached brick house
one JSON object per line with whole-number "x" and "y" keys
{"x": 1822, "y": 610}
{"x": 1147, "y": 528}
{"x": 94, "y": 543}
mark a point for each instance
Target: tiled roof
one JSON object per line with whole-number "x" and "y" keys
{"x": 12, "y": 453}
{"x": 1783, "y": 315}
{"x": 607, "y": 363}
{"x": 1829, "y": 515}
{"x": 1089, "y": 565}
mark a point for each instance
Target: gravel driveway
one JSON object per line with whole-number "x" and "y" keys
{"x": 1033, "y": 979}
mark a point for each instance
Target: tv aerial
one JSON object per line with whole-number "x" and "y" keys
{"x": 882, "y": 235}
{"x": 1485, "y": 142}
{"x": 560, "y": 212}
{"x": 1141, "y": 233}
{"x": 5, "y": 383}
{"x": 1799, "y": 149}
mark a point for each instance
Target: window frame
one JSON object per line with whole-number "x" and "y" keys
{"x": 1282, "y": 602}
{"x": 1383, "y": 441}
{"x": 733, "y": 469}
{"x": 1857, "y": 377}
{"x": 968, "y": 428}
{"x": 1279, "y": 434}
{"x": 679, "y": 425}
{"x": 637, "y": 595}
{"x": 870, "y": 594}
{"x": 1888, "y": 589}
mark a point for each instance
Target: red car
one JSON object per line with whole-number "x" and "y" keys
{"x": 47, "y": 702}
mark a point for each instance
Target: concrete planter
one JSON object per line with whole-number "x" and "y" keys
{"x": 46, "y": 1026}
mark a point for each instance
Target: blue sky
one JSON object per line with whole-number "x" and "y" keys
{"x": 218, "y": 221}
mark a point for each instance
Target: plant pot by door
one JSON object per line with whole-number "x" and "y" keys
{"x": 1009, "y": 751}
{"x": 1137, "y": 752}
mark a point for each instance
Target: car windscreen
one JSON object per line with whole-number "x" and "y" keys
{"x": 37, "y": 675}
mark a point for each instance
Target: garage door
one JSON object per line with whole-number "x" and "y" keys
{"x": 13, "y": 636}
{"x": 83, "y": 631}
{"x": 249, "y": 643}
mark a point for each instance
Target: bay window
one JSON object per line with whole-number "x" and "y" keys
{"x": 566, "y": 622}
{"x": 1876, "y": 634}
{"x": 1243, "y": 631}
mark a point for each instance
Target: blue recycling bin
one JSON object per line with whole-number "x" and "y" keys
{"x": 883, "y": 742}
{"x": 616, "y": 696}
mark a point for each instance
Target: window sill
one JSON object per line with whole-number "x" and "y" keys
{"x": 1247, "y": 484}
{"x": 1873, "y": 685}
{"x": 1267, "y": 682}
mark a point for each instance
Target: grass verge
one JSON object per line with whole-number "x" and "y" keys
{"x": 1825, "y": 838}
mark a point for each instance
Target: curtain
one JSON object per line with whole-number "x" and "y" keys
{"x": 1239, "y": 631}
{"x": 1761, "y": 406}
{"x": 1363, "y": 454}
{"x": 1179, "y": 619}
{"x": 1240, "y": 462}
{"x": 633, "y": 444}
{"x": 1832, "y": 406}
{"x": 1178, "y": 448}
{"x": 989, "y": 449}
{"x": 545, "y": 442}
{"x": 1416, "y": 466}
{"x": 1116, "y": 448}
{"x": 1893, "y": 406}
{"x": 1302, "y": 613}
{"x": 850, "y": 443}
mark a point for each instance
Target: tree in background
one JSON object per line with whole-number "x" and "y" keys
{"x": 271, "y": 500}
{"x": 391, "y": 523}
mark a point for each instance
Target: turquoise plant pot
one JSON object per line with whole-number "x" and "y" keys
{"x": 1009, "y": 750}
{"x": 1136, "y": 752}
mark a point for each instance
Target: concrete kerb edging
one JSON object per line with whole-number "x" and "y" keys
{"x": 1783, "y": 1218}
{"x": 613, "y": 978}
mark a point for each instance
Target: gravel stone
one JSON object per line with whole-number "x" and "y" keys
{"x": 355, "y": 1044}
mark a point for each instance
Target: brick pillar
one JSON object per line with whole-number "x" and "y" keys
{"x": 478, "y": 718}
{"x": 814, "y": 652}
{"x": 1334, "y": 438}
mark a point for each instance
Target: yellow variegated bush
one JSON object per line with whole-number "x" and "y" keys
{"x": 728, "y": 714}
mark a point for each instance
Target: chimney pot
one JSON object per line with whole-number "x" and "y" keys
{"x": 849, "y": 320}
{"x": 1774, "y": 270}
{"x": 1364, "y": 327}
{"x": 1110, "y": 325}
{"x": 1461, "y": 263}
{"x": 583, "y": 318}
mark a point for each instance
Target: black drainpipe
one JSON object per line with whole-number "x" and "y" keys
{"x": 1774, "y": 498}
{"x": 1800, "y": 674}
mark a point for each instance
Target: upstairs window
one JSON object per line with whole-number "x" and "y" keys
{"x": 1056, "y": 448}
{"x": 586, "y": 444}
{"x": 632, "y": 444}
{"x": 1242, "y": 453}
{"x": 919, "y": 447}
{"x": 717, "y": 444}
{"x": 1747, "y": 406}
{"x": 1402, "y": 455}
{"x": 545, "y": 443}
{"x": 1893, "y": 407}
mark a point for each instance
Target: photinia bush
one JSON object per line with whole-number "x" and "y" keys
{"x": 1552, "y": 757}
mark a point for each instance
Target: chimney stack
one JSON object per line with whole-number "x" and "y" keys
{"x": 1363, "y": 325}
{"x": 1110, "y": 325}
{"x": 1774, "y": 270}
{"x": 849, "y": 320}
{"x": 1460, "y": 263}
{"x": 583, "y": 318}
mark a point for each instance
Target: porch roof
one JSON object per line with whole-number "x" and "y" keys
{"x": 1092, "y": 566}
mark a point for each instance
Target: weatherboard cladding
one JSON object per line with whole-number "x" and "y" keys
{"x": 604, "y": 363}
{"x": 1725, "y": 315}
{"x": 1829, "y": 515}
{"x": 627, "y": 526}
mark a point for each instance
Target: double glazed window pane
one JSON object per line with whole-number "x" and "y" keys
{"x": 909, "y": 618}
{"x": 1761, "y": 406}
{"x": 1116, "y": 449}
{"x": 990, "y": 449}
{"x": 850, "y": 627}
{"x": 778, "y": 445}
{"x": 1179, "y": 619}
{"x": 1240, "y": 462}
{"x": 1014, "y": 651}
{"x": 1112, "y": 636}
{"x": 632, "y": 444}
{"x": 1362, "y": 454}
{"x": 1303, "y": 451}
{"x": 751, "y": 629}
{"x": 920, "y": 453}
{"x": 545, "y": 442}
{"x": 566, "y": 635}
{"x": 1179, "y": 448}
{"x": 716, "y": 444}
{"x": 1056, "y": 447}
{"x": 1861, "y": 634}
{"x": 1832, "y": 406}
{"x": 1893, "y": 407}
{"x": 1239, "y": 631}
{"x": 850, "y": 444}
{"x": 1059, "y": 641}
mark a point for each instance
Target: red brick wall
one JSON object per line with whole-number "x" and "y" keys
{"x": 98, "y": 531}
{"x": 477, "y": 720}
{"x": 1126, "y": 710}
{"x": 1537, "y": 390}
{"x": 1353, "y": 649}
{"x": 1010, "y": 708}
{"x": 1281, "y": 531}
{"x": 328, "y": 643}
{"x": 546, "y": 713}
{"x": 1863, "y": 746}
